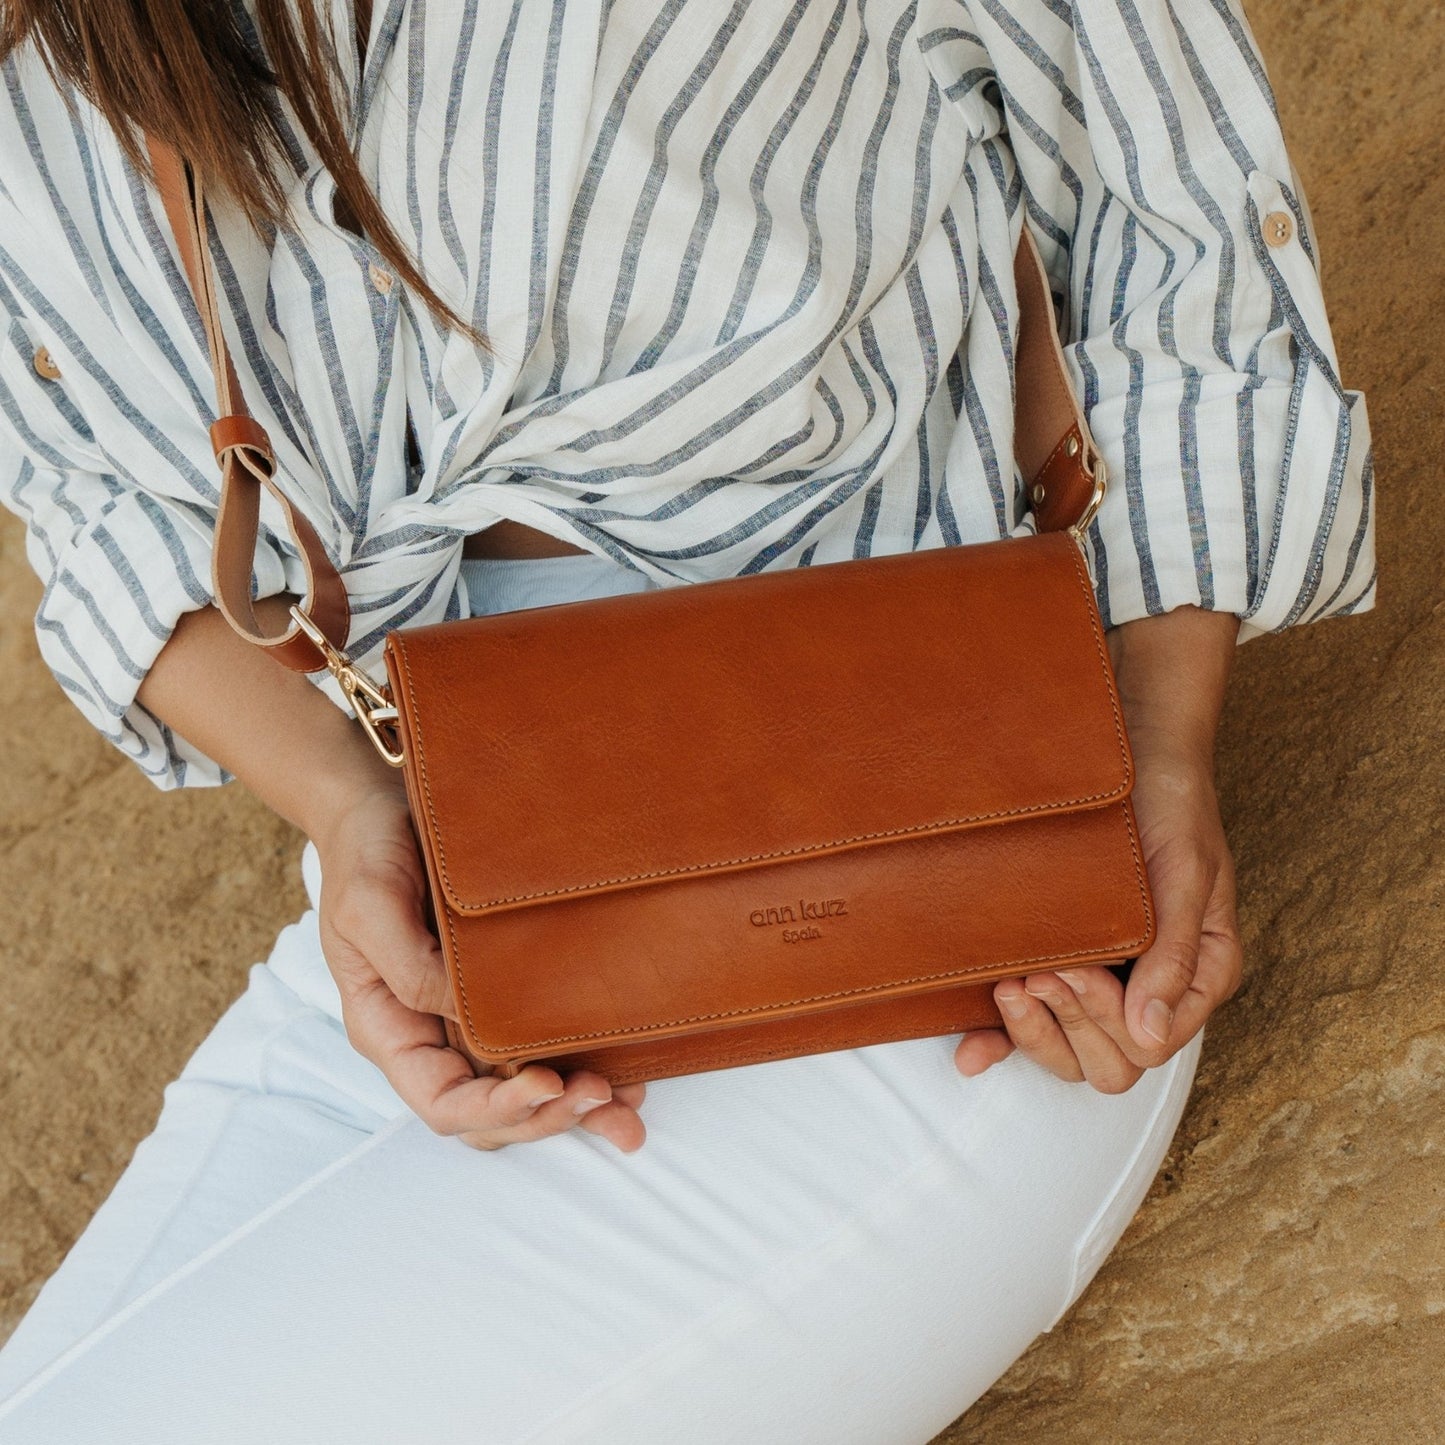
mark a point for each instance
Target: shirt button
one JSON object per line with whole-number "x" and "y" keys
{"x": 45, "y": 364}
{"x": 380, "y": 279}
{"x": 1278, "y": 228}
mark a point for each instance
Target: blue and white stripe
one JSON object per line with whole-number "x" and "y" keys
{"x": 746, "y": 272}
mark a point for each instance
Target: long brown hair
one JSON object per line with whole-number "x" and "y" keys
{"x": 185, "y": 71}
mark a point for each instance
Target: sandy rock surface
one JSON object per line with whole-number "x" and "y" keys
{"x": 1285, "y": 1279}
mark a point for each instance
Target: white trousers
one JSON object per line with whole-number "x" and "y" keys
{"x": 849, "y": 1247}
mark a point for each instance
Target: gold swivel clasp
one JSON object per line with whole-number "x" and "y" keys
{"x": 371, "y": 707}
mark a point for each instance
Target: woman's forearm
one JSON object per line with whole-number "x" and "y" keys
{"x": 272, "y": 728}
{"x": 1172, "y": 672}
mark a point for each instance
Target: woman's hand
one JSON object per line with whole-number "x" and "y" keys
{"x": 394, "y": 992}
{"x": 304, "y": 758}
{"x": 1083, "y": 1023}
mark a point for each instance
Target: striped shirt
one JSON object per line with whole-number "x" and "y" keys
{"x": 745, "y": 268}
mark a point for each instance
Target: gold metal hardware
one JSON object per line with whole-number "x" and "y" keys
{"x": 371, "y": 707}
{"x": 1101, "y": 483}
{"x": 1071, "y": 447}
{"x": 1038, "y": 494}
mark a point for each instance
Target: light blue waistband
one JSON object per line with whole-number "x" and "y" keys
{"x": 503, "y": 584}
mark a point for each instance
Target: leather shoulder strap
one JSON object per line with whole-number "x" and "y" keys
{"x": 1062, "y": 470}
{"x": 1061, "y": 467}
{"x": 246, "y": 459}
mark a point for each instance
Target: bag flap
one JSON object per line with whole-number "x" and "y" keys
{"x": 589, "y": 746}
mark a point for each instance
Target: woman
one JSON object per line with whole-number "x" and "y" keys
{"x": 612, "y": 298}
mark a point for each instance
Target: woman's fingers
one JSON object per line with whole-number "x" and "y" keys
{"x": 1034, "y": 1030}
{"x": 1096, "y": 991}
{"x": 1220, "y": 966}
{"x": 981, "y": 1049}
{"x": 618, "y": 1121}
{"x": 1081, "y": 1023}
{"x": 1048, "y": 1021}
{"x": 588, "y": 1101}
{"x": 379, "y": 911}
{"x": 394, "y": 987}
{"x": 437, "y": 1084}
{"x": 434, "y": 1081}
{"x": 1196, "y": 959}
{"x": 1089, "y": 1006}
{"x": 538, "y": 1102}
{"x": 1181, "y": 878}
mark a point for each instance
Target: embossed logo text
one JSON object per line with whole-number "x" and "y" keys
{"x": 804, "y": 910}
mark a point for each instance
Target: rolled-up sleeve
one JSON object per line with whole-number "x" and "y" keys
{"x": 120, "y": 563}
{"x": 1155, "y": 175}
{"x": 119, "y": 569}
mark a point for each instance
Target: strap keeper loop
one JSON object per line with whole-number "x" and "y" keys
{"x": 240, "y": 430}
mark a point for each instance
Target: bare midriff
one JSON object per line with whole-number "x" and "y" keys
{"x": 512, "y": 539}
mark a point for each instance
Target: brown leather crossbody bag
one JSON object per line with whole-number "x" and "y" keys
{"x": 754, "y": 817}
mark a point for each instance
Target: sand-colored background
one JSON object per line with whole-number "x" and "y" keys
{"x": 1285, "y": 1280}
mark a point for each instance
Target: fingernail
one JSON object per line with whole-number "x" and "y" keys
{"x": 1158, "y": 1019}
{"x": 1077, "y": 984}
{"x": 1043, "y": 991}
{"x": 586, "y": 1106}
{"x": 1015, "y": 1006}
{"x": 545, "y": 1098}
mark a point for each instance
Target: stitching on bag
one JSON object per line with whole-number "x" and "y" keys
{"x": 686, "y": 870}
{"x": 1140, "y": 873}
{"x": 1141, "y": 877}
{"x": 814, "y": 998}
{"x": 748, "y": 1056}
{"x": 461, "y": 978}
{"x": 446, "y": 912}
{"x": 521, "y": 1048}
{"x": 806, "y": 848}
